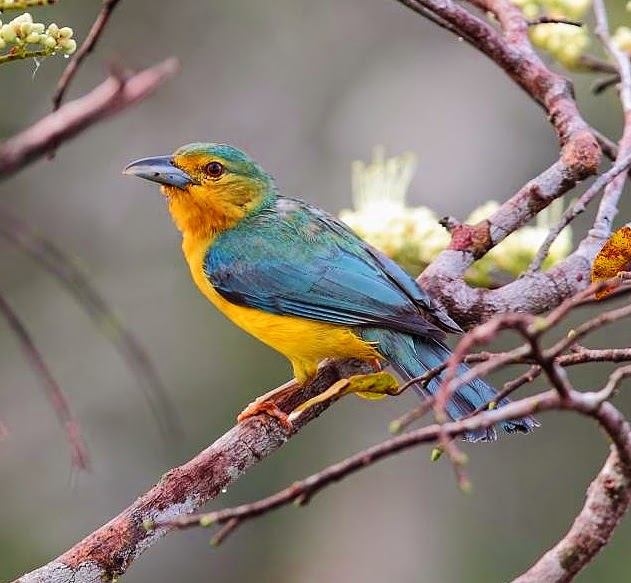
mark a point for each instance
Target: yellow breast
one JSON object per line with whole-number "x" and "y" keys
{"x": 304, "y": 342}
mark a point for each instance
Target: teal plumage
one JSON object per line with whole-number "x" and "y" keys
{"x": 300, "y": 280}
{"x": 291, "y": 258}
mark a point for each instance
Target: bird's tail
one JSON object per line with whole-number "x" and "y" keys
{"x": 412, "y": 356}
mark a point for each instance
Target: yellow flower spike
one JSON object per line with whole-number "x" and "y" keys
{"x": 614, "y": 257}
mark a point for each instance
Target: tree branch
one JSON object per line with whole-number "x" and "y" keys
{"x": 607, "y": 501}
{"x": 112, "y": 96}
{"x": 108, "y": 551}
{"x": 52, "y": 389}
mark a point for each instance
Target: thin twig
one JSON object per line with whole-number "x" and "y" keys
{"x": 609, "y": 204}
{"x": 609, "y": 148}
{"x": 86, "y": 48}
{"x": 70, "y": 275}
{"x": 597, "y": 65}
{"x": 623, "y": 66}
{"x": 576, "y": 209}
{"x": 601, "y": 85}
{"x": 52, "y": 389}
{"x": 553, "y": 20}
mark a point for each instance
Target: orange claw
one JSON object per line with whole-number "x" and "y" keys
{"x": 269, "y": 408}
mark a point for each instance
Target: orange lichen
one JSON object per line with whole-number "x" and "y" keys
{"x": 613, "y": 258}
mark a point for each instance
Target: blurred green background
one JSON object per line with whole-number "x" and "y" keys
{"x": 305, "y": 87}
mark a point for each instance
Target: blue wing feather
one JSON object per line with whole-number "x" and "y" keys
{"x": 293, "y": 259}
{"x": 308, "y": 264}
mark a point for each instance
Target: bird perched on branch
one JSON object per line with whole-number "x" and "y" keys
{"x": 301, "y": 281}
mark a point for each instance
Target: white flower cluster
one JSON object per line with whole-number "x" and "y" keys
{"x": 23, "y": 36}
{"x": 565, "y": 42}
{"x": 380, "y": 214}
{"x": 413, "y": 236}
{"x": 622, "y": 36}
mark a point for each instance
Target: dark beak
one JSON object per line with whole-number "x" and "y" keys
{"x": 159, "y": 169}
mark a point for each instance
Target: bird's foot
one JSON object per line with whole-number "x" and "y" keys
{"x": 369, "y": 386}
{"x": 267, "y": 404}
{"x": 267, "y": 407}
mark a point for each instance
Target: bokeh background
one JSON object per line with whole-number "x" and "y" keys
{"x": 305, "y": 87}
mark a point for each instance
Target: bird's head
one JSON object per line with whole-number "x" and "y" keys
{"x": 209, "y": 187}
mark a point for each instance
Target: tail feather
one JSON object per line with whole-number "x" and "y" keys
{"x": 412, "y": 356}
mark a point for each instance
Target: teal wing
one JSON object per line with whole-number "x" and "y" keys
{"x": 291, "y": 258}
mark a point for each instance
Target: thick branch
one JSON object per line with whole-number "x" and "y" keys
{"x": 108, "y": 551}
{"x": 112, "y": 96}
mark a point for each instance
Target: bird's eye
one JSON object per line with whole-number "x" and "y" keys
{"x": 214, "y": 169}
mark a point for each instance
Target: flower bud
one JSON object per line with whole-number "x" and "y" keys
{"x": 7, "y": 33}
{"x": 49, "y": 42}
{"x": 68, "y": 45}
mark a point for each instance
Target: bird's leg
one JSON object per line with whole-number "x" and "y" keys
{"x": 372, "y": 386}
{"x": 376, "y": 385}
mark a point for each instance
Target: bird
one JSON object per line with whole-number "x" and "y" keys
{"x": 301, "y": 281}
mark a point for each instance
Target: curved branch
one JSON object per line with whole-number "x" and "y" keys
{"x": 607, "y": 501}
{"x": 68, "y": 273}
{"x": 110, "y": 97}
{"x": 52, "y": 389}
